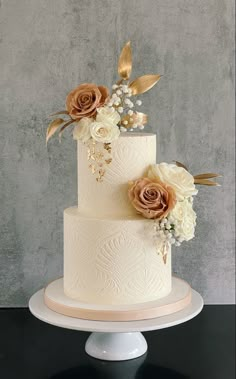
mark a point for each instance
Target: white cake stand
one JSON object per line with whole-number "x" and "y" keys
{"x": 110, "y": 340}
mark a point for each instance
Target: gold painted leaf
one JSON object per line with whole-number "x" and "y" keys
{"x": 206, "y": 176}
{"x": 179, "y": 164}
{"x": 53, "y": 126}
{"x": 205, "y": 182}
{"x": 125, "y": 62}
{"x": 57, "y": 113}
{"x": 65, "y": 126}
{"x": 143, "y": 83}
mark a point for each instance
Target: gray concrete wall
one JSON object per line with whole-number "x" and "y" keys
{"x": 50, "y": 46}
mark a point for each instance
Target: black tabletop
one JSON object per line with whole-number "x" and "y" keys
{"x": 203, "y": 348}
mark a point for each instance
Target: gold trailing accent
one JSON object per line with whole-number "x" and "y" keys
{"x": 164, "y": 257}
{"x": 99, "y": 155}
{"x": 125, "y": 62}
{"x": 163, "y": 252}
{"x": 143, "y": 83}
{"x": 107, "y": 147}
{"x": 53, "y": 127}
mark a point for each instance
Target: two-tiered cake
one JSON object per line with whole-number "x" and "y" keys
{"x": 117, "y": 241}
{"x": 108, "y": 255}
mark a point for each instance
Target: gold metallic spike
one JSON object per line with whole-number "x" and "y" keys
{"x": 125, "y": 62}
{"x": 205, "y": 182}
{"x": 143, "y": 83}
{"x": 53, "y": 127}
{"x": 208, "y": 175}
{"x": 179, "y": 164}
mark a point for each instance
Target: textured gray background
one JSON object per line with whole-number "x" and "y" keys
{"x": 50, "y": 46}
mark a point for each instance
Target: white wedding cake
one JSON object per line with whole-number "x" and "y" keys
{"x": 108, "y": 255}
{"x": 131, "y": 210}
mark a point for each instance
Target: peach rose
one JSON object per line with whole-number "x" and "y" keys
{"x": 84, "y": 100}
{"x": 152, "y": 198}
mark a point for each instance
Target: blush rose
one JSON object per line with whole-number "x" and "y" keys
{"x": 84, "y": 100}
{"x": 152, "y": 198}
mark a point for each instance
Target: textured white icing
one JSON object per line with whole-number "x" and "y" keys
{"x": 131, "y": 156}
{"x": 112, "y": 260}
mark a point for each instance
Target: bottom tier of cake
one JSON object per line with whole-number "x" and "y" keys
{"x": 113, "y": 261}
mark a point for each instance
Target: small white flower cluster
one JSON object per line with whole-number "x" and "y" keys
{"x": 120, "y": 101}
{"x": 165, "y": 232}
{"x": 178, "y": 226}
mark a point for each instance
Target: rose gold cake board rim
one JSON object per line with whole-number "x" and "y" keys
{"x": 120, "y": 315}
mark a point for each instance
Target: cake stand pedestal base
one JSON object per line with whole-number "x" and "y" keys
{"x": 116, "y": 346}
{"x": 114, "y": 340}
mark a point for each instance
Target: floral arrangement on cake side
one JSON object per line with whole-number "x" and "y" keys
{"x": 165, "y": 195}
{"x": 99, "y": 116}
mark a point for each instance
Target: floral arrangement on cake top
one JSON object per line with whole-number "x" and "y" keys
{"x": 99, "y": 116}
{"x": 165, "y": 195}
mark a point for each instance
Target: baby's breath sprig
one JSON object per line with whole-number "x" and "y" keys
{"x": 165, "y": 231}
{"x": 120, "y": 101}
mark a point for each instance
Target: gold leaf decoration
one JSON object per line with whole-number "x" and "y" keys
{"x": 57, "y": 113}
{"x": 125, "y": 62}
{"x": 206, "y": 176}
{"x": 108, "y": 161}
{"x": 205, "y": 182}
{"x": 143, "y": 83}
{"x": 98, "y": 157}
{"x": 203, "y": 179}
{"x": 65, "y": 126}
{"x": 179, "y": 164}
{"x": 53, "y": 126}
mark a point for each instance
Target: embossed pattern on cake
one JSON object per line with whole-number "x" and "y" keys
{"x": 109, "y": 257}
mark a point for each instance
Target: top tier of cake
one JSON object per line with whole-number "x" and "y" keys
{"x": 131, "y": 154}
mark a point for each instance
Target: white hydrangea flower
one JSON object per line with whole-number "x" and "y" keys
{"x": 108, "y": 116}
{"x": 183, "y": 218}
{"x": 82, "y": 129}
{"x": 177, "y": 177}
{"x": 104, "y": 132}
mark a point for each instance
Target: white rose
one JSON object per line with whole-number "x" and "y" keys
{"x": 184, "y": 219}
{"x": 82, "y": 129}
{"x": 107, "y": 115}
{"x": 105, "y": 133}
{"x": 177, "y": 177}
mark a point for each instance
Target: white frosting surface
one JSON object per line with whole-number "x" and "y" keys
{"x": 132, "y": 153}
{"x": 112, "y": 260}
